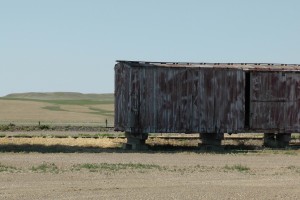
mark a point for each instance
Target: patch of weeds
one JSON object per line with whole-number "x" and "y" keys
{"x": 108, "y": 167}
{"x": 7, "y": 127}
{"x": 2, "y": 135}
{"x": 103, "y": 112}
{"x": 295, "y": 136}
{"x": 85, "y": 135}
{"x": 104, "y": 135}
{"x": 60, "y": 136}
{"x": 190, "y": 169}
{"x": 22, "y": 135}
{"x": 67, "y": 127}
{"x": 280, "y": 151}
{"x": 100, "y": 135}
{"x": 45, "y": 167}
{"x": 239, "y": 168}
{"x": 293, "y": 153}
{"x": 200, "y": 168}
{"x": 294, "y": 168}
{"x": 53, "y": 108}
{"x": 5, "y": 168}
{"x": 44, "y": 127}
{"x": 180, "y": 170}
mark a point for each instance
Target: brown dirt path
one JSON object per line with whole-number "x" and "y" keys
{"x": 186, "y": 175}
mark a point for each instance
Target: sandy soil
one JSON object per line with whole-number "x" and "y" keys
{"x": 150, "y": 175}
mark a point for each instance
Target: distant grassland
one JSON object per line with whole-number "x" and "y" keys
{"x": 57, "y": 108}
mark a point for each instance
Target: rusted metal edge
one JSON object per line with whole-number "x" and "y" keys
{"x": 242, "y": 66}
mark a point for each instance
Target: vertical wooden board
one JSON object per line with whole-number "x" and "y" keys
{"x": 236, "y": 96}
{"x": 292, "y": 118}
{"x": 296, "y": 77}
{"x": 190, "y": 99}
{"x": 240, "y": 100}
{"x": 227, "y": 118}
{"x": 220, "y": 99}
{"x": 184, "y": 101}
{"x": 176, "y": 99}
{"x": 169, "y": 101}
{"x": 134, "y": 112}
{"x": 293, "y": 86}
{"x": 278, "y": 115}
{"x": 196, "y": 112}
{"x": 278, "y": 87}
{"x": 126, "y": 95}
{"x": 166, "y": 103}
{"x": 150, "y": 112}
{"x": 119, "y": 90}
{"x": 160, "y": 95}
{"x": 151, "y": 77}
{"x": 259, "y": 81}
{"x": 207, "y": 100}
{"x": 143, "y": 103}
{"x": 122, "y": 107}
{"x": 231, "y": 115}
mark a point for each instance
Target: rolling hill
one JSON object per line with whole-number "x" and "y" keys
{"x": 60, "y": 96}
{"x": 57, "y": 108}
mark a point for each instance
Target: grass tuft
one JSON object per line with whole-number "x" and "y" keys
{"x": 53, "y": 108}
{"x": 294, "y": 168}
{"x": 45, "y": 167}
{"x": 5, "y": 168}
{"x": 108, "y": 167}
{"x": 239, "y": 168}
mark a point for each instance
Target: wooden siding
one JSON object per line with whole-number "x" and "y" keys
{"x": 184, "y": 99}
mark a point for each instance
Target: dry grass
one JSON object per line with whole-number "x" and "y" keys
{"x": 32, "y": 112}
{"x": 80, "y": 142}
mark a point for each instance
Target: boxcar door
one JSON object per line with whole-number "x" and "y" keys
{"x": 267, "y": 100}
{"x": 292, "y": 105}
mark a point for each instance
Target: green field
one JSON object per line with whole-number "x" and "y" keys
{"x": 57, "y": 108}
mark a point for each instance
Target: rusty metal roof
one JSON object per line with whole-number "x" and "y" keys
{"x": 241, "y": 66}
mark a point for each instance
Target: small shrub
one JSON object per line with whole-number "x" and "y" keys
{"x": 44, "y": 127}
{"x": 45, "y": 167}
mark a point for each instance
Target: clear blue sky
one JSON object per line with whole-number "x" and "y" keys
{"x": 72, "y": 45}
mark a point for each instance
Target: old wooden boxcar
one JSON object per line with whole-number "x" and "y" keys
{"x": 206, "y": 98}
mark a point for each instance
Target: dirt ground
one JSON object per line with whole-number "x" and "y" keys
{"x": 150, "y": 175}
